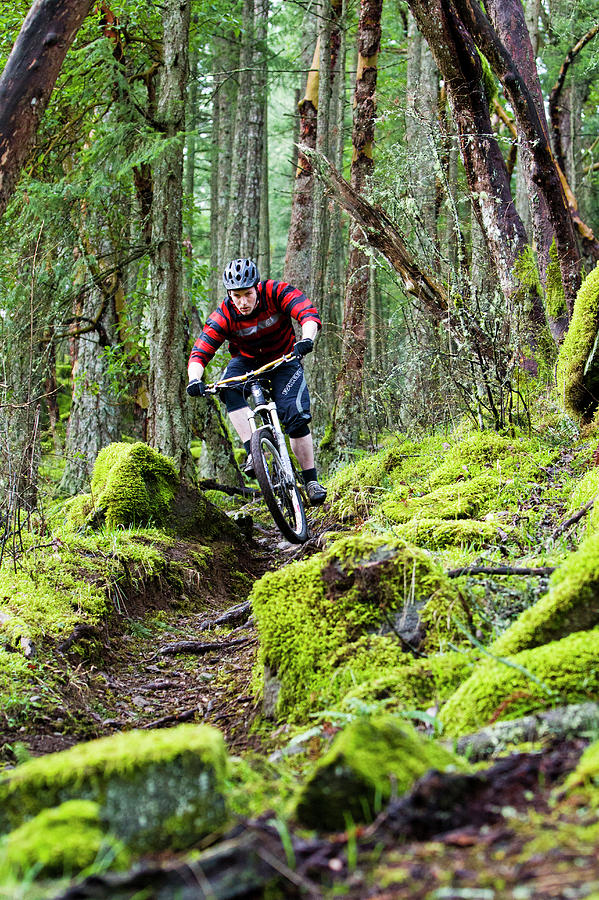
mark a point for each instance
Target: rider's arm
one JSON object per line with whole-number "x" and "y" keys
{"x": 310, "y": 329}
{"x": 195, "y": 370}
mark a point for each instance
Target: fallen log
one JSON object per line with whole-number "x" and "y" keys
{"x": 573, "y": 519}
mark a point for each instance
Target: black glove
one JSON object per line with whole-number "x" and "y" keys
{"x": 196, "y": 388}
{"x": 303, "y": 347}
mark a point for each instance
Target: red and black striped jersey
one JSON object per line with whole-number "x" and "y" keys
{"x": 263, "y": 335}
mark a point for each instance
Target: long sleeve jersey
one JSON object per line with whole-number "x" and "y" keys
{"x": 263, "y": 335}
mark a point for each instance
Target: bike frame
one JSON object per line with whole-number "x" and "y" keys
{"x": 267, "y": 409}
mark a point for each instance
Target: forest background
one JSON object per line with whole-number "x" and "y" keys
{"x": 440, "y": 211}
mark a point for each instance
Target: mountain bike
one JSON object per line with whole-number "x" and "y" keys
{"x": 280, "y": 483}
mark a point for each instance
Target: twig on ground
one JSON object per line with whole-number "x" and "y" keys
{"x": 573, "y": 519}
{"x": 500, "y": 570}
{"x": 183, "y": 716}
{"x": 199, "y": 648}
{"x": 233, "y": 616}
{"x": 209, "y": 484}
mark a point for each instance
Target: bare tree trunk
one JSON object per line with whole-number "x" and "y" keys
{"x": 237, "y": 192}
{"x": 299, "y": 240}
{"x": 264, "y": 248}
{"x": 348, "y": 412}
{"x": 168, "y": 429}
{"x": 28, "y": 79}
{"x": 320, "y": 223}
{"x": 486, "y": 171}
{"x": 226, "y": 60}
{"x": 94, "y": 419}
{"x": 251, "y": 202}
{"x": 523, "y": 91}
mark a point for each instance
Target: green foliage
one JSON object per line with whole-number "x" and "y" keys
{"x": 555, "y": 300}
{"x": 154, "y": 789}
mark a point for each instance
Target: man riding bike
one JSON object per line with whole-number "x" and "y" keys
{"x": 256, "y": 319}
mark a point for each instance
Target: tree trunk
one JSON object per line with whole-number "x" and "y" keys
{"x": 28, "y": 80}
{"x": 226, "y": 59}
{"x": 348, "y": 412}
{"x": 168, "y": 428}
{"x": 237, "y": 193}
{"x": 94, "y": 419}
{"x": 320, "y": 223}
{"x": 299, "y": 239}
{"x": 523, "y": 91}
{"x": 486, "y": 171}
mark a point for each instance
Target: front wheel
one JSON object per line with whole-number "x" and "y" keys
{"x": 280, "y": 493}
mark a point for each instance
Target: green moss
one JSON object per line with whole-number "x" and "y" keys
{"x": 437, "y": 533}
{"x": 414, "y": 684}
{"x": 59, "y": 843}
{"x": 587, "y": 489}
{"x": 367, "y": 762}
{"x": 312, "y": 615}
{"x": 132, "y": 484}
{"x": 558, "y": 673}
{"x": 576, "y": 371}
{"x": 586, "y": 773}
{"x": 555, "y": 298}
{"x": 571, "y": 604}
{"x": 154, "y": 789}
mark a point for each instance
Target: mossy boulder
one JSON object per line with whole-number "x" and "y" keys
{"x": 314, "y": 615}
{"x": 368, "y": 762}
{"x": 415, "y": 684}
{"x": 577, "y": 369}
{"x": 154, "y": 789}
{"x": 558, "y": 673}
{"x": 587, "y": 489}
{"x": 60, "y": 842}
{"x": 571, "y": 604}
{"x": 133, "y": 484}
{"x": 438, "y": 533}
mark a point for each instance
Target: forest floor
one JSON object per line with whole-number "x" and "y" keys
{"x": 508, "y": 838}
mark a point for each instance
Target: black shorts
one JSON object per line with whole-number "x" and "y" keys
{"x": 289, "y": 390}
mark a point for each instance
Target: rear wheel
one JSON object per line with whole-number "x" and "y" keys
{"x": 283, "y": 498}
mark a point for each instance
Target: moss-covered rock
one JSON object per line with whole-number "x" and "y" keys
{"x": 438, "y": 533}
{"x": 414, "y": 684}
{"x": 571, "y": 604}
{"x": 558, "y": 673}
{"x": 314, "y": 615}
{"x": 587, "y": 489}
{"x": 154, "y": 789}
{"x": 60, "y": 842}
{"x": 133, "y": 484}
{"x": 577, "y": 369}
{"x": 368, "y": 761}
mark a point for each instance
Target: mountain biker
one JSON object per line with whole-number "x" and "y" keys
{"x": 256, "y": 318}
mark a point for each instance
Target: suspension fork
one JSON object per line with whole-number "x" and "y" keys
{"x": 273, "y": 417}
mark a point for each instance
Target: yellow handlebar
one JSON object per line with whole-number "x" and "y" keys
{"x": 240, "y": 379}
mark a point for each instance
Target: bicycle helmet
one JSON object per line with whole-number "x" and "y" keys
{"x": 240, "y": 273}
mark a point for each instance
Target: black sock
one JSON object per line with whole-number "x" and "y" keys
{"x": 246, "y": 444}
{"x": 309, "y": 475}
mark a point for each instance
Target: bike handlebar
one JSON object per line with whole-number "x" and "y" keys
{"x": 217, "y": 386}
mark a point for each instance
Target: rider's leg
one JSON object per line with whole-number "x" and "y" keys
{"x": 303, "y": 448}
{"x": 239, "y": 421}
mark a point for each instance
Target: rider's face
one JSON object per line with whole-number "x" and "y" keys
{"x": 244, "y": 300}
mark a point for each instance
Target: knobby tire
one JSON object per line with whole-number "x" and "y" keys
{"x": 284, "y": 502}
